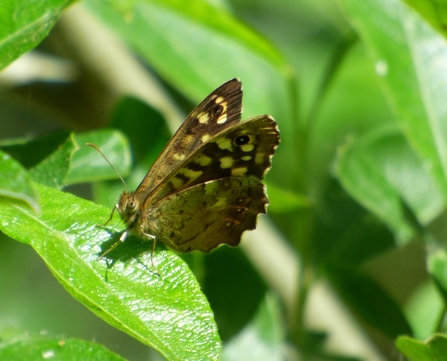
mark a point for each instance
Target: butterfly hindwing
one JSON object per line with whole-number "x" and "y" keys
{"x": 209, "y": 214}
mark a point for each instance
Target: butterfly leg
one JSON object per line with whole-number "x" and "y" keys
{"x": 154, "y": 242}
{"x": 111, "y": 216}
{"x": 124, "y": 235}
{"x": 116, "y": 244}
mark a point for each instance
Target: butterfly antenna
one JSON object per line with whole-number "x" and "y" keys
{"x": 117, "y": 173}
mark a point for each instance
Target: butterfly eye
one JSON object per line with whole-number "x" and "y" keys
{"x": 242, "y": 140}
{"x": 133, "y": 204}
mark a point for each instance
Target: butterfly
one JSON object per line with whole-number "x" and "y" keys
{"x": 205, "y": 189}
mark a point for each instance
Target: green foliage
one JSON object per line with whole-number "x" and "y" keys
{"x": 383, "y": 166}
{"x": 434, "y": 12}
{"x": 24, "y": 25}
{"x": 358, "y": 187}
{"x": 67, "y": 237}
{"x": 262, "y": 338}
{"x": 369, "y": 300}
{"x": 16, "y": 183}
{"x": 44, "y": 347}
{"x": 433, "y": 349}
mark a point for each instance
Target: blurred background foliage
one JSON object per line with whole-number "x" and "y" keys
{"x": 353, "y": 254}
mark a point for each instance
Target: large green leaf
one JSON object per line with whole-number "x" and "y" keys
{"x": 368, "y": 300}
{"x": 262, "y": 339}
{"x": 433, "y": 11}
{"x": 87, "y": 165}
{"x": 63, "y": 158}
{"x": 196, "y": 46}
{"x": 384, "y": 174}
{"x": 168, "y": 312}
{"x": 437, "y": 266}
{"x": 45, "y": 347}
{"x": 31, "y": 152}
{"x": 16, "y": 183}
{"x": 434, "y": 349}
{"x": 147, "y": 133}
{"x": 411, "y": 60}
{"x": 24, "y": 24}
{"x": 425, "y": 309}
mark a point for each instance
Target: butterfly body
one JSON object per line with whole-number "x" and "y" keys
{"x": 205, "y": 189}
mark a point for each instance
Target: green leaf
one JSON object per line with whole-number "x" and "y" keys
{"x": 143, "y": 125}
{"x": 425, "y": 309}
{"x": 46, "y": 158}
{"x": 159, "y": 30}
{"x": 197, "y": 46}
{"x": 437, "y": 266}
{"x": 87, "y": 165}
{"x": 384, "y": 174}
{"x": 31, "y": 152}
{"x": 411, "y": 61}
{"x": 433, "y": 11}
{"x": 15, "y": 182}
{"x": 63, "y": 158}
{"x": 168, "y": 312}
{"x": 262, "y": 339}
{"x": 368, "y": 300}
{"x": 232, "y": 301}
{"x": 147, "y": 133}
{"x": 53, "y": 170}
{"x": 25, "y": 24}
{"x": 413, "y": 349}
{"x": 285, "y": 200}
{"x": 434, "y": 349}
{"x": 438, "y": 346}
{"x": 52, "y": 348}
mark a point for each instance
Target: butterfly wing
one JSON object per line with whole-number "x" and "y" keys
{"x": 220, "y": 110}
{"x": 245, "y": 149}
{"x": 208, "y": 214}
{"x": 217, "y": 193}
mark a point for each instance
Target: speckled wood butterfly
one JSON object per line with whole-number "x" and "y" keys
{"x": 205, "y": 189}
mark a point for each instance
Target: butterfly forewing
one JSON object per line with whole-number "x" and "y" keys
{"x": 242, "y": 150}
{"x": 220, "y": 110}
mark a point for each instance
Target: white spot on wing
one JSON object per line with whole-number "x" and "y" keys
{"x": 247, "y": 147}
{"x": 221, "y": 203}
{"x": 203, "y": 118}
{"x": 188, "y": 139}
{"x": 203, "y": 160}
{"x": 224, "y": 143}
{"x": 226, "y": 162}
{"x": 259, "y": 158}
{"x": 176, "y": 182}
{"x": 222, "y": 119}
{"x": 191, "y": 174}
{"x": 205, "y": 138}
{"x": 179, "y": 156}
{"x": 237, "y": 172}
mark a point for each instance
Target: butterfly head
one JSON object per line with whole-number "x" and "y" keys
{"x": 129, "y": 207}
